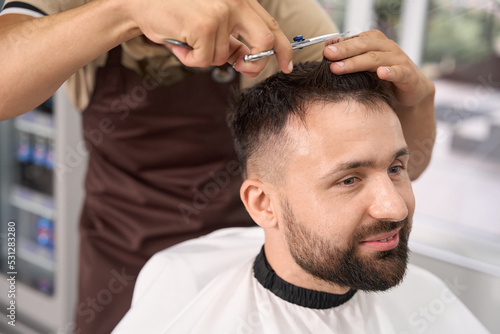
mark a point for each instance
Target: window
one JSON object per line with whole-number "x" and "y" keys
{"x": 461, "y": 54}
{"x": 388, "y": 17}
{"x": 337, "y": 10}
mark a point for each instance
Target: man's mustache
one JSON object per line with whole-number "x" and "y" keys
{"x": 379, "y": 227}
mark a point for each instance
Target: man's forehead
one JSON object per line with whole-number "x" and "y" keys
{"x": 345, "y": 131}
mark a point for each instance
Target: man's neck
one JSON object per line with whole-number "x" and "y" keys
{"x": 293, "y": 294}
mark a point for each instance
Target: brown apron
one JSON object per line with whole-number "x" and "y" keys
{"x": 162, "y": 169}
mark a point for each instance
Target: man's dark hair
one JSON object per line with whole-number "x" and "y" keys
{"x": 260, "y": 114}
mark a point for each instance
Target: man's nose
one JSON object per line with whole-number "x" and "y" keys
{"x": 388, "y": 203}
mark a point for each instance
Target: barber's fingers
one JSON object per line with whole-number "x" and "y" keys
{"x": 369, "y": 61}
{"x": 365, "y": 53}
{"x": 250, "y": 69}
{"x": 222, "y": 43}
{"x": 280, "y": 44}
{"x": 261, "y": 33}
{"x": 209, "y": 34}
{"x": 399, "y": 75}
{"x": 211, "y": 44}
{"x": 351, "y": 46}
{"x": 237, "y": 50}
{"x": 412, "y": 85}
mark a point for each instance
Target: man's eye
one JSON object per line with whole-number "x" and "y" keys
{"x": 395, "y": 169}
{"x": 348, "y": 182}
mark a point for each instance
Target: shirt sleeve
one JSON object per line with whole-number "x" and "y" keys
{"x": 18, "y": 7}
{"x": 39, "y": 8}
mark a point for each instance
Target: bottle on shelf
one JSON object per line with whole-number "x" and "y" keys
{"x": 24, "y": 155}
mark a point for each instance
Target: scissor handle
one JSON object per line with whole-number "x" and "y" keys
{"x": 258, "y": 56}
{"x": 178, "y": 43}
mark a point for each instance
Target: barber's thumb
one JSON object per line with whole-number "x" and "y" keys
{"x": 386, "y": 73}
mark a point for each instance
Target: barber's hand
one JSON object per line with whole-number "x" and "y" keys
{"x": 373, "y": 51}
{"x": 211, "y": 28}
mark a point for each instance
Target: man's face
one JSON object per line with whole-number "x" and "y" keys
{"x": 347, "y": 201}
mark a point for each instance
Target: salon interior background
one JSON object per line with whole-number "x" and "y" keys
{"x": 457, "y": 225}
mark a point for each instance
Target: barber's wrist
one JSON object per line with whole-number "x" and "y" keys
{"x": 122, "y": 13}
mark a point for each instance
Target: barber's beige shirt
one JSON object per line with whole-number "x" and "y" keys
{"x": 295, "y": 17}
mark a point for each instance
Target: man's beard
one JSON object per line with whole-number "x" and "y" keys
{"x": 345, "y": 266}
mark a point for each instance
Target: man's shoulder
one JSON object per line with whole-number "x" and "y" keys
{"x": 201, "y": 259}
{"x": 190, "y": 275}
{"x": 180, "y": 304}
{"x": 217, "y": 306}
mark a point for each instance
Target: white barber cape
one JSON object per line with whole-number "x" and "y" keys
{"x": 207, "y": 285}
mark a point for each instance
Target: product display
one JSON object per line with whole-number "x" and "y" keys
{"x": 29, "y": 200}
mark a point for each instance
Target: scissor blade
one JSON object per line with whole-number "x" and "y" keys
{"x": 316, "y": 40}
{"x": 295, "y": 45}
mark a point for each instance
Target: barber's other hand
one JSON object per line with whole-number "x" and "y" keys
{"x": 373, "y": 51}
{"x": 211, "y": 28}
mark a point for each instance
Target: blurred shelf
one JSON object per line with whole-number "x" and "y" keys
{"x": 36, "y": 122}
{"x": 32, "y": 201}
{"x": 37, "y": 255}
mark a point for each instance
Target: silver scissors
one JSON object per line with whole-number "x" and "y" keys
{"x": 178, "y": 43}
{"x": 298, "y": 43}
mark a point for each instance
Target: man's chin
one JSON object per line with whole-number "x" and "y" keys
{"x": 386, "y": 270}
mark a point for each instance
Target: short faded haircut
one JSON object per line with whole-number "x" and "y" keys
{"x": 259, "y": 115}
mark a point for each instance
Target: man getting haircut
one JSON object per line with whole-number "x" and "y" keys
{"x": 325, "y": 168}
{"x": 265, "y": 144}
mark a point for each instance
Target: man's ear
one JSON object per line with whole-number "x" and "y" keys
{"x": 256, "y": 196}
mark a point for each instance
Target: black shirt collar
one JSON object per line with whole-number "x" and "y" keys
{"x": 294, "y": 294}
